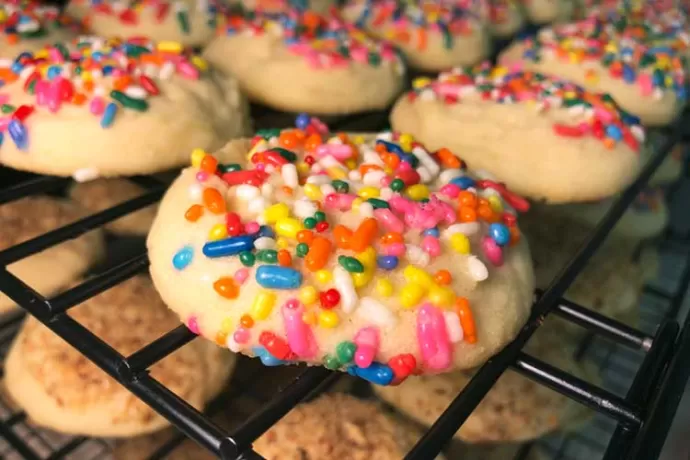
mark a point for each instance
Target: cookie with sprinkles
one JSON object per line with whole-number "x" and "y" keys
{"x": 646, "y": 79}
{"x": 190, "y": 22}
{"x": 543, "y": 136}
{"x": 433, "y": 35}
{"x": 505, "y": 17}
{"x": 98, "y": 107}
{"x": 320, "y": 6}
{"x": 27, "y": 25}
{"x": 549, "y": 11}
{"x": 376, "y": 256}
{"x": 303, "y": 61}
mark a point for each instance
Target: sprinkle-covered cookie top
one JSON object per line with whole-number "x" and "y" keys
{"x": 325, "y": 41}
{"x": 28, "y": 20}
{"x": 500, "y": 10}
{"x": 631, "y": 56}
{"x": 410, "y": 22}
{"x": 99, "y": 76}
{"x": 335, "y": 229}
{"x": 594, "y": 114}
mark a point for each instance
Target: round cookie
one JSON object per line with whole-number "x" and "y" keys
{"x": 645, "y": 80}
{"x": 516, "y": 409}
{"x": 142, "y": 107}
{"x": 189, "y": 22}
{"x": 102, "y": 194}
{"x": 27, "y": 25}
{"x": 272, "y": 6}
{"x": 330, "y": 270}
{"x": 544, "y": 137}
{"x": 55, "y": 268}
{"x": 548, "y": 11}
{"x": 432, "y": 35}
{"x": 59, "y": 388}
{"x": 338, "y": 426}
{"x": 505, "y": 18}
{"x": 304, "y": 62}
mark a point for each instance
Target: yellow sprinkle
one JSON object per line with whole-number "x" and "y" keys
{"x": 499, "y": 71}
{"x": 86, "y": 76}
{"x": 323, "y": 276}
{"x": 282, "y": 243}
{"x": 388, "y": 170}
{"x": 384, "y": 288}
{"x": 356, "y": 203}
{"x": 336, "y": 173}
{"x": 197, "y": 156}
{"x": 276, "y": 212}
{"x": 308, "y": 295}
{"x": 226, "y": 325}
{"x": 309, "y": 317}
{"x": 441, "y": 296}
{"x": 611, "y": 48}
{"x": 421, "y": 82}
{"x": 495, "y": 203}
{"x": 411, "y": 294}
{"x": 367, "y": 257}
{"x": 288, "y": 227}
{"x": 368, "y": 192}
{"x": 570, "y": 95}
{"x": 312, "y": 191}
{"x": 200, "y": 63}
{"x": 263, "y": 304}
{"x": 328, "y": 318}
{"x": 362, "y": 279}
{"x": 418, "y": 276}
{"x": 170, "y": 47}
{"x": 359, "y": 140}
{"x": 3, "y": 16}
{"x": 351, "y": 164}
{"x": 218, "y": 232}
{"x": 303, "y": 169}
{"x": 255, "y": 149}
{"x": 460, "y": 243}
{"x": 405, "y": 141}
{"x": 418, "y": 192}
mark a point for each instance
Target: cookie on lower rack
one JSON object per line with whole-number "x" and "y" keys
{"x": 544, "y": 137}
{"x": 516, "y": 409}
{"x": 189, "y": 22}
{"x": 101, "y": 194}
{"x": 432, "y": 35}
{"x": 56, "y": 267}
{"x": 134, "y": 110}
{"x": 378, "y": 257}
{"x": 28, "y": 25}
{"x": 60, "y": 389}
{"x": 548, "y": 11}
{"x": 646, "y": 80}
{"x": 300, "y": 61}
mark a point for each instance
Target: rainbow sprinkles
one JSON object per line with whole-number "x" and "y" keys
{"x": 27, "y": 20}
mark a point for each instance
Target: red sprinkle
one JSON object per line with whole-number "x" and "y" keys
{"x": 275, "y": 345}
{"x": 149, "y": 85}
{"x": 516, "y": 201}
{"x": 567, "y": 131}
{"x": 329, "y": 298}
{"x": 251, "y": 177}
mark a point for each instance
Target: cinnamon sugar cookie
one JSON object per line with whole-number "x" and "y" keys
{"x": 59, "y": 388}
{"x": 378, "y": 257}
{"x": 56, "y": 267}
{"x": 544, "y": 137}
{"x": 300, "y": 61}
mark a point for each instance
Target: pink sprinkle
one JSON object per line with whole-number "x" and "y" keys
{"x": 338, "y": 151}
{"x": 359, "y": 54}
{"x": 393, "y": 249}
{"x": 341, "y": 201}
{"x": 53, "y": 96}
{"x": 450, "y": 190}
{"x": 41, "y": 89}
{"x": 4, "y": 121}
{"x": 645, "y": 82}
{"x": 431, "y": 246}
{"x": 292, "y": 304}
{"x": 387, "y": 54}
{"x": 202, "y": 176}
{"x": 4, "y": 98}
{"x": 241, "y": 275}
{"x": 241, "y": 335}
{"x": 188, "y": 70}
{"x": 192, "y": 325}
{"x": 55, "y": 55}
{"x": 386, "y": 181}
{"x": 97, "y": 105}
{"x": 251, "y": 227}
{"x": 389, "y": 220}
{"x": 603, "y": 114}
{"x": 492, "y": 251}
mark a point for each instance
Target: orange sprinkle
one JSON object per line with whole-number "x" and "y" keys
{"x": 485, "y": 212}
{"x": 221, "y": 338}
{"x": 466, "y": 198}
{"x": 421, "y": 38}
{"x": 121, "y": 83}
{"x": 342, "y": 236}
{"x": 313, "y": 141}
{"x": 214, "y": 201}
{"x": 284, "y": 258}
{"x": 363, "y": 169}
{"x": 288, "y": 139}
{"x": 442, "y": 277}
{"x": 609, "y": 143}
{"x": 78, "y": 99}
{"x": 364, "y": 235}
{"x": 12, "y": 39}
{"x": 391, "y": 160}
{"x": 468, "y": 214}
{"x": 402, "y": 36}
{"x": 247, "y": 321}
{"x": 448, "y": 159}
{"x": 391, "y": 237}
{"x": 286, "y": 190}
{"x": 226, "y": 287}
{"x": 194, "y": 212}
{"x": 305, "y": 236}
{"x": 514, "y": 235}
{"x": 319, "y": 251}
{"x": 209, "y": 164}
{"x": 462, "y": 307}
{"x": 88, "y": 86}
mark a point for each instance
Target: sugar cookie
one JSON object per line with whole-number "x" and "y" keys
{"x": 102, "y": 194}
{"x": 548, "y": 11}
{"x": 305, "y": 62}
{"x": 544, "y": 137}
{"x": 56, "y": 267}
{"x": 516, "y": 409}
{"x": 433, "y": 35}
{"x": 329, "y": 271}
{"x": 647, "y": 81}
{"x": 189, "y": 22}
{"x": 28, "y": 25}
{"x": 338, "y": 426}
{"x": 140, "y": 106}
{"x": 505, "y": 17}
{"x": 59, "y": 388}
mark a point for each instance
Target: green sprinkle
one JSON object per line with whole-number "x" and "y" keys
{"x": 288, "y": 155}
{"x": 340, "y": 186}
{"x": 351, "y": 264}
{"x": 331, "y": 362}
{"x": 32, "y": 87}
{"x": 320, "y": 216}
{"x": 129, "y": 102}
{"x": 247, "y": 258}
{"x": 231, "y": 167}
{"x": 378, "y": 204}
{"x": 268, "y": 133}
{"x": 345, "y": 352}
{"x": 268, "y": 256}
{"x": 310, "y": 223}
{"x": 302, "y": 249}
{"x": 397, "y": 185}
{"x": 183, "y": 21}
{"x": 374, "y": 59}
{"x": 7, "y": 108}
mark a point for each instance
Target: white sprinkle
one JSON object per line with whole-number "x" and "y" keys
{"x": 195, "y": 191}
{"x": 638, "y": 132}
{"x": 424, "y": 175}
{"x": 304, "y": 208}
{"x": 385, "y": 136}
{"x": 136, "y": 92}
{"x": 355, "y": 175}
{"x": 373, "y": 178}
{"x": 86, "y": 174}
{"x": 466, "y": 228}
{"x": 257, "y": 205}
{"x": 453, "y": 326}
{"x": 319, "y": 180}
{"x": 167, "y": 70}
{"x": 267, "y": 190}
{"x": 426, "y": 160}
{"x": 232, "y": 345}
{"x": 264, "y": 243}
{"x": 99, "y": 90}
{"x": 386, "y": 193}
{"x": 269, "y": 169}
{"x": 246, "y": 192}
{"x": 26, "y": 71}
{"x": 372, "y": 158}
{"x": 416, "y": 255}
{"x": 374, "y": 311}
{"x": 348, "y": 295}
{"x": 366, "y": 210}
{"x": 329, "y": 162}
{"x": 477, "y": 268}
{"x": 427, "y": 95}
{"x": 327, "y": 189}
{"x": 289, "y": 173}
{"x": 449, "y": 174}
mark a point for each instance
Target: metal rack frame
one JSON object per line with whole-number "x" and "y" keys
{"x": 660, "y": 379}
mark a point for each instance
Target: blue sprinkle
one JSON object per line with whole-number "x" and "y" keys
{"x": 228, "y": 246}
{"x": 463, "y": 182}
{"x": 432, "y": 232}
{"x": 17, "y": 132}
{"x": 183, "y": 257}
{"x": 302, "y": 121}
{"x": 500, "y": 234}
{"x": 17, "y": 67}
{"x": 377, "y": 373}
{"x": 267, "y": 359}
{"x": 391, "y": 147}
{"x": 629, "y": 119}
{"x": 53, "y": 72}
{"x": 387, "y": 262}
{"x": 266, "y": 231}
{"x": 628, "y": 74}
{"x": 614, "y": 132}
{"x": 97, "y": 56}
{"x": 2, "y": 138}
{"x": 276, "y": 277}
{"x": 408, "y": 158}
{"x": 107, "y": 70}
{"x": 108, "y": 115}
